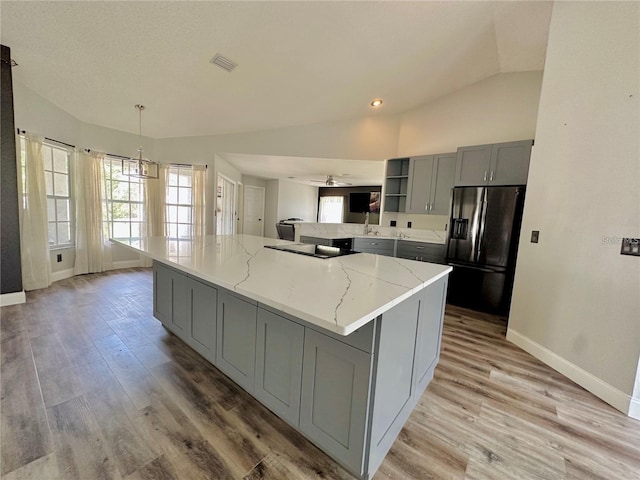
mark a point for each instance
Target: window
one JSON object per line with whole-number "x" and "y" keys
{"x": 123, "y": 202}
{"x": 331, "y": 210}
{"x": 58, "y": 189}
{"x": 179, "y": 207}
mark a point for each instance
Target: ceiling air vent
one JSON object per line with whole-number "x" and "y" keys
{"x": 223, "y": 62}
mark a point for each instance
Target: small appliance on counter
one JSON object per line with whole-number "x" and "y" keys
{"x": 482, "y": 246}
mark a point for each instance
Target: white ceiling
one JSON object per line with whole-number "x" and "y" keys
{"x": 298, "y": 62}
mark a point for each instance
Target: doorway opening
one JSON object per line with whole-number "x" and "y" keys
{"x": 225, "y": 206}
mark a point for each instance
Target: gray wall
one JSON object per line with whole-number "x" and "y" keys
{"x": 10, "y": 268}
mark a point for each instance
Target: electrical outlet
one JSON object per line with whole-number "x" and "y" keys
{"x": 59, "y": 257}
{"x": 535, "y": 235}
{"x": 392, "y": 223}
{"x": 630, "y": 246}
{"x": 408, "y": 224}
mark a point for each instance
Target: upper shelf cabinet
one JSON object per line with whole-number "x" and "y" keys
{"x": 396, "y": 185}
{"x": 431, "y": 181}
{"x": 493, "y": 165}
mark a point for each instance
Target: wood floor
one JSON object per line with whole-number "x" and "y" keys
{"x": 93, "y": 387}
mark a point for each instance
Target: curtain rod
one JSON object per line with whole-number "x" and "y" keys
{"x": 20, "y": 132}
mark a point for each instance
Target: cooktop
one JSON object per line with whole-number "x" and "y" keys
{"x": 318, "y": 251}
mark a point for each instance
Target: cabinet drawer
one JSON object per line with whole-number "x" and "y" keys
{"x": 382, "y": 246}
{"x": 422, "y": 251}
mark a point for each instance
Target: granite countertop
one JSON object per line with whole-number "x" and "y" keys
{"x": 338, "y": 294}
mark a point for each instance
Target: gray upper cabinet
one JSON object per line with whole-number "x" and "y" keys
{"x": 236, "y": 339}
{"x": 202, "y": 316}
{"x": 494, "y": 165}
{"x": 279, "y": 344}
{"x": 431, "y": 182}
{"x": 335, "y": 393}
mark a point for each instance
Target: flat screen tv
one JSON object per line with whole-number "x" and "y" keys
{"x": 360, "y": 202}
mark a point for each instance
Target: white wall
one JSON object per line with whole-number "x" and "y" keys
{"x": 498, "y": 109}
{"x": 576, "y": 301}
{"x": 296, "y": 200}
{"x": 369, "y": 138}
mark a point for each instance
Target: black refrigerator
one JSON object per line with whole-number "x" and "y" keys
{"x": 482, "y": 246}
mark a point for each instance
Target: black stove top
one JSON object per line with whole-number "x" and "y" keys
{"x": 318, "y": 251}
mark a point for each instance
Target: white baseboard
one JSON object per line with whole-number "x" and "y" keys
{"x": 13, "y": 298}
{"x": 634, "y": 408}
{"x": 125, "y": 264}
{"x": 61, "y": 275}
{"x": 601, "y": 389}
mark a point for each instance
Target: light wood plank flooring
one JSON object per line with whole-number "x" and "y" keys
{"x": 93, "y": 387}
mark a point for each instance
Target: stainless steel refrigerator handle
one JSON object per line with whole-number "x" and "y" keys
{"x": 483, "y": 217}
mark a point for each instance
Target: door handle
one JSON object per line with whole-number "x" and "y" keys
{"x": 491, "y": 176}
{"x": 259, "y": 219}
{"x": 484, "y": 179}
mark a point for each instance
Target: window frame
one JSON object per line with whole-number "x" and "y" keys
{"x": 51, "y": 146}
{"x": 180, "y": 171}
{"x": 108, "y": 202}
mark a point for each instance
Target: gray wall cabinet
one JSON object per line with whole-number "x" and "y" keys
{"x": 236, "y": 339}
{"x": 350, "y": 395}
{"x": 335, "y": 397}
{"x": 279, "y": 345}
{"x": 497, "y": 164}
{"x": 431, "y": 180}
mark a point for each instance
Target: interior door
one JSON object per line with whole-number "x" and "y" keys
{"x": 253, "y": 217}
{"x": 225, "y": 206}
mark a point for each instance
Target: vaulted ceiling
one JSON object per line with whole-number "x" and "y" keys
{"x": 298, "y": 62}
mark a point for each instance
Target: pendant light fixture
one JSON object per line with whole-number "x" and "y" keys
{"x": 140, "y": 166}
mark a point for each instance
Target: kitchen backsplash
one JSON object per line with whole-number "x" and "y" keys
{"x": 357, "y": 229}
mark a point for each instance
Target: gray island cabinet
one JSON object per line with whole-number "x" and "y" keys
{"x": 350, "y": 395}
{"x": 341, "y": 349}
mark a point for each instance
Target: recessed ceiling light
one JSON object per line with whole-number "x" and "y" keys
{"x": 377, "y": 102}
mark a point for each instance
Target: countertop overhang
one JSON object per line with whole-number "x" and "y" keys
{"x": 339, "y": 294}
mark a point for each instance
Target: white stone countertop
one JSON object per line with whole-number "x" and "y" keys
{"x": 338, "y": 294}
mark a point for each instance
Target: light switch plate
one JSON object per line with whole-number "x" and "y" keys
{"x": 535, "y": 236}
{"x": 630, "y": 246}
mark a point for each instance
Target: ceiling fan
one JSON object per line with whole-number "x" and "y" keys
{"x": 331, "y": 182}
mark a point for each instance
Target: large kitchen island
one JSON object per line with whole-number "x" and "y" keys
{"x": 341, "y": 348}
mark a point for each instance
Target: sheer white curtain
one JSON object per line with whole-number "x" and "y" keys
{"x": 198, "y": 199}
{"x": 93, "y": 252}
{"x": 34, "y": 228}
{"x": 154, "y": 204}
{"x": 154, "y": 209}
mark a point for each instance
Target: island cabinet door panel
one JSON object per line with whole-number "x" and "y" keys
{"x": 279, "y": 344}
{"x": 202, "y": 312}
{"x": 392, "y": 399}
{"x": 335, "y": 398}
{"x": 236, "y": 339}
{"x": 170, "y": 298}
{"x": 429, "y": 334}
{"x": 162, "y": 288}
